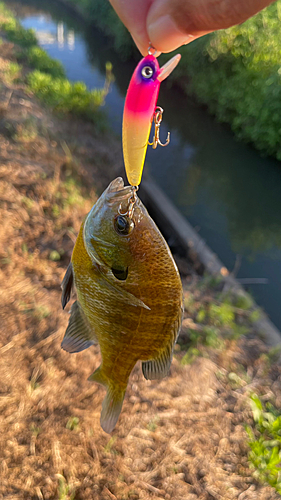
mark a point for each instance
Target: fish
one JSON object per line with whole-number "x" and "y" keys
{"x": 139, "y": 108}
{"x": 129, "y": 295}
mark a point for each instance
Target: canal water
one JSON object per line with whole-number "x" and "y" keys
{"x": 226, "y": 190}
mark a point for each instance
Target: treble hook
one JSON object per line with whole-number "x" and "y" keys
{"x": 132, "y": 201}
{"x": 157, "y": 122}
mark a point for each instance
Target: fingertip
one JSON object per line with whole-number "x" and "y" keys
{"x": 164, "y": 33}
{"x": 144, "y": 46}
{"x": 141, "y": 45}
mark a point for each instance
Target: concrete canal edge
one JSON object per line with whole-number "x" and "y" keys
{"x": 167, "y": 215}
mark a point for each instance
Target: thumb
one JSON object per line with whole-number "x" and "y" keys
{"x": 172, "y": 23}
{"x": 165, "y": 31}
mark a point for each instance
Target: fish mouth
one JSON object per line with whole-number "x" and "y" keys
{"x": 117, "y": 192}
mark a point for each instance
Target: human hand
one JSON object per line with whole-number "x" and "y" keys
{"x": 168, "y": 24}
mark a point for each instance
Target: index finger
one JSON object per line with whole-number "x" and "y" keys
{"x": 133, "y": 14}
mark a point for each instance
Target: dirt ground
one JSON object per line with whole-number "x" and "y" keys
{"x": 182, "y": 438}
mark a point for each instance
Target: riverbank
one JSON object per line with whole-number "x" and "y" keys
{"x": 235, "y": 72}
{"x": 181, "y": 438}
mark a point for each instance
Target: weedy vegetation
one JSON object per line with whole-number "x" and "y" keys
{"x": 38, "y": 58}
{"x": 236, "y": 72}
{"x": 73, "y": 424}
{"x": 15, "y": 32}
{"x": 48, "y": 81}
{"x": 12, "y": 72}
{"x": 265, "y": 443}
{"x": 62, "y": 95}
{"x": 215, "y": 318}
{"x": 65, "y": 491}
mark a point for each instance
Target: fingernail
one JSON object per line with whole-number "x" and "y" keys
{"x": 189, "y": 39}
{"x": 143, "y": 48}
{"x": 140, "y": 45}
{"x": 165, "y": 35}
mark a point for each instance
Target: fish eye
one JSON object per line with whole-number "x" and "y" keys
{"x": 147, "y": 72}
{"x": 123, "y": 225}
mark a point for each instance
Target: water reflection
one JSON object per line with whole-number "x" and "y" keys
{"x": 224, "y": 174}
{"x": 60, "y": 37}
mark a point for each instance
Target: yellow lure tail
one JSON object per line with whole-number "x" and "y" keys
{"x": 112, "y": 403}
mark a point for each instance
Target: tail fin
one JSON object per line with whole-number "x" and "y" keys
{"x": 112, "y": 403}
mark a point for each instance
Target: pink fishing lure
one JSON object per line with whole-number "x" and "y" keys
{"x": 140, "y": 104}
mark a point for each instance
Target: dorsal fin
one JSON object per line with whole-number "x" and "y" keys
{"x": 158, "y": 368}
{"x": 67, "y": 284}
{"x": 79, "y": 334}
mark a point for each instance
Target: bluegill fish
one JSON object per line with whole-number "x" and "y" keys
{"x": 129, "y": 295}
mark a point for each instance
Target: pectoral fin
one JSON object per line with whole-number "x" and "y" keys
{"x": 67, "y": 284}
{"x": 79, "y": 334}
{"x": 128, "y": 297}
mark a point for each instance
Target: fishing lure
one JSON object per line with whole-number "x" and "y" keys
{"x": 139, "y": 111}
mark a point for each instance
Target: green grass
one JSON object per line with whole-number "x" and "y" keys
{"x": 216, "y": 319}
{"x": 62, "y": 95}
{"x": 39, "y": 59}
{"x": 12, "y": 72}
{"x": 16, "y": 33}
{"x": 48, "y": 81}
{"x": 73, "y": 424}
{"x": 65, "y": 491}
{"x": 265, "y": 443}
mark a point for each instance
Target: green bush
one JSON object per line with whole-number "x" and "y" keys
{"x": 48, "y": 80}
{"x": 65, "y": 96}
{"x": 39, "y": 59}
{"x": 237, "y": 73}
{"x": 17, "y": 34}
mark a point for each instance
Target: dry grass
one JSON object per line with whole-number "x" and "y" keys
{"x": 182, "y": 438}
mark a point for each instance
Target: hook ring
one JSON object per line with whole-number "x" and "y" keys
{"x": 132, "y": 201}
{"x": 151, "y": 50}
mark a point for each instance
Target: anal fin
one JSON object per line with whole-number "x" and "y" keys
{"x": 79, "y": 334}
{"x": 112, "y": 403}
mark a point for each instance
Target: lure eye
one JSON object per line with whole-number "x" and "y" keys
{"x": 123, "y": 225}
{"x": 147, "y": 72}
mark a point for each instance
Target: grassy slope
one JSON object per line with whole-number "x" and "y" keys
{"x": 179, "y": 438}
{"x": 48, "y": 81}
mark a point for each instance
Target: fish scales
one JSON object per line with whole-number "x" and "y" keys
{"x": 134, "y": 318}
